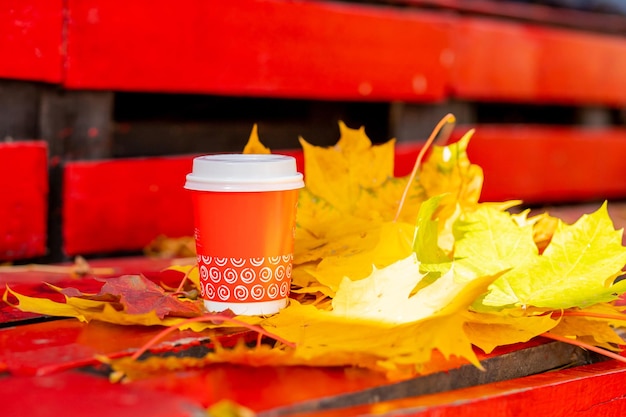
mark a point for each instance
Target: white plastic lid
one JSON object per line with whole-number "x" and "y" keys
{"x": 244, "y": 172}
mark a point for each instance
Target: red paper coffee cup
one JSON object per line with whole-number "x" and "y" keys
{"x": 244, "y": 213}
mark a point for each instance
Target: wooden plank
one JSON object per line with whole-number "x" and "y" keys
{"x": 118, "y": 205}
{"x": 511, "y": 61}
{"x": 580, "y": 67}
{"x": 31, "y": 42}
{"x": 308, "y": 50}
{"x": 79, "y": 394}
{"x": 23, "y": 199}
{"x": 585, "y": 391}
{"x": 541, "y": 164}
{"x": 258, "y": 48}
{"x": 494, "y": 60}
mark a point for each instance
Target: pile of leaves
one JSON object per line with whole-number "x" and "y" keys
{"x": 392, "y": 272}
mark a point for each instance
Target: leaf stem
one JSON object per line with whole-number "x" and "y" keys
{"x": 585, "y": 346}
{"x": 185, "y": 278}
{"x": 207, "y": 317}
{"x": 448, "y": 118}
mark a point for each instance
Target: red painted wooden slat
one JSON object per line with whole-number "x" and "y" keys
{"x": 550, "y": 164}
{"x": 582, "y": 68}
{"x": 586, "y": 391}
{"x": 124, "y": 204}
{"x": 540, "y": 164}
{"x": 118, "y": 205}
{"x": 23, "y": 199}
{"x": 494, "y": 60}
{"x": 508, "y": 61}
{"x": 307, "y": 50}
{"x": 74, "y": 394}
{"x": 31, "y": 42}
{"x": 258, "y": 47}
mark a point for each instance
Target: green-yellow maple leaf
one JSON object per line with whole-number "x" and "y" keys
{"x": 489, "y": 241}
{"x": 426, "y": 244}
{"x": 577, "y": 269}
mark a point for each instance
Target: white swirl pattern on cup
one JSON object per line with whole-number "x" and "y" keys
{"x": 273, "y": 290}
{"x": 241, "y": 292}
{"x": 209, "y": 291}
{"x": 247, "y": 275}
{"x": 274, "y": 259}
{"x": 221, "y": 261}
{"x": 257, "y": 261}
{"x": 215, "y": 274}
{"x": 230, "y": 275}
{"x": 280, "y": 272}
{"x": 265, "y": 274}
{"x": 257, "y": 292}
{"x": 245, "y": 279}
{"x": 238, "y": 262}
{"x": 223, "y": 292}
{"x": 284, "y": 289}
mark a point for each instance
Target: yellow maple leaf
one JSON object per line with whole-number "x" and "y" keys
{"x": 488, "y": 331}
{"x": 595, "y": 325}
{"x": 340, "y": 174}
{"x": 254, "y": 145}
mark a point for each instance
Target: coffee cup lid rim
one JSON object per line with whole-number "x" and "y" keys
{"x": 244, "y": 172}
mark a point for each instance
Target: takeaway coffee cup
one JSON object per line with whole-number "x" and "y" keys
{"x": 244, "y": 213}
